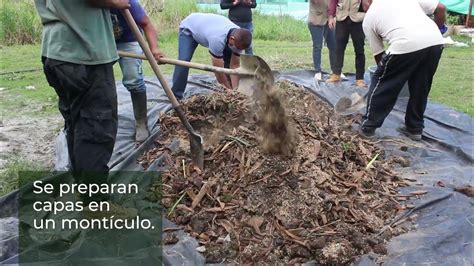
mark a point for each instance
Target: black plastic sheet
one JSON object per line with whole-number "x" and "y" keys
{"x": 443, "y": 234}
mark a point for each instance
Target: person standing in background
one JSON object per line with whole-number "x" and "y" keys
{"x": 319, "y": 29}
{"x": 241, "y": 14}
{"x": 132, "y": 71}
{"x": 346, "y": 17}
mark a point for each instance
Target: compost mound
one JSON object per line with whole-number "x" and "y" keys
{"x": 328, "y": 202}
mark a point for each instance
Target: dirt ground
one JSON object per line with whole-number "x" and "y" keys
{"x": 327, "y": 200}
{"x": 29, "y": 140}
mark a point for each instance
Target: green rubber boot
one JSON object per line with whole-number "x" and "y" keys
{"x": 139, "y": 102}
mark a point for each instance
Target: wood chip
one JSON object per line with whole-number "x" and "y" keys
{"x": 226, "y": 146}
{"x": 219, "y": 209}
{"x": 200, "y": 195}
{"x": 191, "y": 194}
{"x": 255, "y": 222}
{"x": 418, "y": 192}
{"x": 255, "y": 167}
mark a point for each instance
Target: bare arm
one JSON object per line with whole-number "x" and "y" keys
{"x": 440, "y": 15}
{"x": 332, "y": 8}
{"x": 119, "y": 4}
{"x": 234, "y": 63}
{"x": 221, "y": 78}
{"x": 332, "y": 13}
{"x": 151, "y": 37}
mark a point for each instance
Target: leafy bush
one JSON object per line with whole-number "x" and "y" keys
{"x": 452, "y": 19}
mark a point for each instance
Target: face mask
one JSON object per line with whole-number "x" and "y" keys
{"x": 234, "y": 49}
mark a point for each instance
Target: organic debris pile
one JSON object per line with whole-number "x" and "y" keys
{"x": 327, "y": 201}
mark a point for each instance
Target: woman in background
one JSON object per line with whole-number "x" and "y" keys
{"x": 319, "y": 29}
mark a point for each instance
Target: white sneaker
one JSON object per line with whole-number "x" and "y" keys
{"x": 318, "y": 76}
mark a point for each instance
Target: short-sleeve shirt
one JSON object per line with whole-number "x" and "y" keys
{"x": 404, "y": 24}
{"x": 122, "y": 31}
{"x": 75, "y": 32}
{"x": 209, "y": 30}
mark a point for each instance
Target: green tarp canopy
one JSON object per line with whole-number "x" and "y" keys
{"x": 458, "y": 6}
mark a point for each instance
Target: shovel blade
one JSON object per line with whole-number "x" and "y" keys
{"x": 260, "y": 75}
{"x": 197, "y": 150}
{"x": 349, "y": 105}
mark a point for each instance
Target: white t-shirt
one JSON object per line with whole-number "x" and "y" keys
{"x": 404, "y": 24}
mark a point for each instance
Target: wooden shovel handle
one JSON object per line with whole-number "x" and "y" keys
{"x": 204, "y": 67}
{"x": 154, "y": 65}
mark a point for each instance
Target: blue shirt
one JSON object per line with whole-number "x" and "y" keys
{"x": 122, "y": 31}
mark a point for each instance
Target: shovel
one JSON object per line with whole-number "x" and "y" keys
{"x": 350, "y": 105}
{"x": 195, "y": 140}
{"x": 252, "y": 70}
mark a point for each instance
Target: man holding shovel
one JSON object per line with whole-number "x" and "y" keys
{"x": 415, "y": 49}
{"x": 224, "y": 39}
{"x": 132, "y": 73}
{"x": 78, "y": 53}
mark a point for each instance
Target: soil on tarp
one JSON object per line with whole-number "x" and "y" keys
{"x": 327, "y": 201}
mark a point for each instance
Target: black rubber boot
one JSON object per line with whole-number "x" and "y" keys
{"x": 139, "y": 102}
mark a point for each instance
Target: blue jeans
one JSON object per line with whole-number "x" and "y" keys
{"x": 186, "y": 47}
{"x": 132, "y": 71}
{"x": 249, "y": 26}
{"x": 317, "y": 34}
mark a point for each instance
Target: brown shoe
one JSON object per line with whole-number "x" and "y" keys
{"x": 334, "y": 78}
{"x": 360, "y": 83}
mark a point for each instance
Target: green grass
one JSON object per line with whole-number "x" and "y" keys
{"x": 16, "y": 99}
{"x": 279, "y": 28}
{"x": 453, "y": 83}
{"x": 10, "y": 177}
{"x": 19, "y": 23}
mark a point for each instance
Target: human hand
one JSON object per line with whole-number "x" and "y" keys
{"x": 331, "y": 22}
{"x": 236, "y": 2}
{"x": 157, "y": 54}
